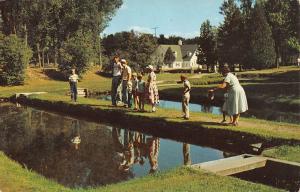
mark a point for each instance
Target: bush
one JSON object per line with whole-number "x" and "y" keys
{"x": 14, "y": 57}
{"x": 77, "y": 52}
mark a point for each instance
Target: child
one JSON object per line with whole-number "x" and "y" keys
{"x": 73, "y": 80}
{"x": 224, "y": 108}
{"x": 141, "y": 92}
{"x": 134, "y": 90}
{"x": 129, "y": 93}
{"x": 185, "y": 97}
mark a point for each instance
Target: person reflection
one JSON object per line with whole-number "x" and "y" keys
{"x": 207, "y": 108}
{"x": 153, "y": 150}
{"x": 186, "y": 154}
{"x": 76, "y": 140}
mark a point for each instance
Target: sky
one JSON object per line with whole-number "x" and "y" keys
{"x": 172, "y": 17}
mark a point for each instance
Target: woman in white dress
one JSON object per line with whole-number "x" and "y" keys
{"x": 237, "y": 101}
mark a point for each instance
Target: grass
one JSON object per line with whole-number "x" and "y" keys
{"x": 15, "y": 178}
{"x": 262, "y": 128}
{"x": 285, "y": 152}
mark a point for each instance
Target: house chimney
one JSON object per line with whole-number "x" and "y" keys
{"x": 179, "y": 42}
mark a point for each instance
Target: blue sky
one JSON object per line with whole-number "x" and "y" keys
{"x": 173, "y": 17}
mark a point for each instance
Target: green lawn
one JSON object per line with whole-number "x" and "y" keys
{"x": 14, "y": 178}
{"x": 285, "y": 152}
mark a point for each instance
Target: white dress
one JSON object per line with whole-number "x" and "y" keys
{"x": 237, "y": 101}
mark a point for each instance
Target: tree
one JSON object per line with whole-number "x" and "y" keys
{"x": 135, "y": 47}
{"x": 169, "y": 56}
{"x": 262, "y": 46}
{"x": 14, "y": 57}
{"x": 207, "y": 45}
{"x": 229, "y": 34}
{"x": 77, "y": 52}
{"x": 50, "y": 23}
{"x": 281, "y": 18}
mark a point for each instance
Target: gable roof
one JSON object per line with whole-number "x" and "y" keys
{"x": 162, "y": 49}
{"x": 185, "y": 49}
{"x": 181, "y": 51}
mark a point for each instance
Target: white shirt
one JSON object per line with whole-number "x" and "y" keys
{"x": 186, "y": 88}
{"x": 117, "y": 69}
{"x": 73, "y": 78}
{"x": 126, "y": 73}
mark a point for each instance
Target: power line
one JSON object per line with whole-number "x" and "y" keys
{"x": 155, "y": 28}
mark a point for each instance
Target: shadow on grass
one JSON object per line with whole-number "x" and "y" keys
{"x": 54, "y": 74}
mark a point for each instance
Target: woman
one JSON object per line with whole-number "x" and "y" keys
{"x": 237, "y": 101}
{"x": 152, "y": 88}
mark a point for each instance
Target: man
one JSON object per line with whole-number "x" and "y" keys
{"x": 126, "y": 77}
{"x": 73, "y": 80}
{"x": 116, "y": 80}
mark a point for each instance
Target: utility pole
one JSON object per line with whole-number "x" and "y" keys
{"x": 155, "y": 28}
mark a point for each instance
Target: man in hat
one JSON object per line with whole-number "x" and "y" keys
{"x": 126, "y": 77}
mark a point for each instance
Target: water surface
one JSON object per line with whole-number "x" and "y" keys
{"x": 78, "y": 153}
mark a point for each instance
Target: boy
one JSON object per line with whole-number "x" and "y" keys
{"x": 73, "y": 80}
{"x": 134, "y": 90}
{"x": 185, "y": 96}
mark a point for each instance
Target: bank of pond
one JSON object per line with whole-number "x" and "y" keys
{"x": 79, "y": 153}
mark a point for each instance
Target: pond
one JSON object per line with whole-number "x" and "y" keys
{"x": 269, "y": 113}
{"x": 78, "y": 153}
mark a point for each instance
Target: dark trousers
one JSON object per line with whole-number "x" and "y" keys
{"x": 116, "y": 81}
{"x": 73, "y": 90}
{"x": 129, "y": 99}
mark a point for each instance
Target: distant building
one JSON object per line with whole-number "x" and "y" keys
{"x": 185, "y": 56}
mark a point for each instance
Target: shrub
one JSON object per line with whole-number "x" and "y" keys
{"x": 14, "y": 57}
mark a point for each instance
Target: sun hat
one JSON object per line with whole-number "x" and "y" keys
{"x": 150, "y": 67}
{"x": 123, "y": 61}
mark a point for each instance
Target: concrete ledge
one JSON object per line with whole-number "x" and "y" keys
{"x": 233, "y": 165}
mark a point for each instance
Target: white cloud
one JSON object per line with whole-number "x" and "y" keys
{"x": 140, "y": 29}
{"x": 185, "y": 35}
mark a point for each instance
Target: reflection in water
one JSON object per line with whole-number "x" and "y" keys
{"x": 76, "y": 134}
{"x": 186, "y": 154}
{"x": 78, "y": 153}
{"x": 135, "y": 148}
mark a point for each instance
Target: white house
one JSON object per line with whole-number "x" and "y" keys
{"x": 185, "y": 56}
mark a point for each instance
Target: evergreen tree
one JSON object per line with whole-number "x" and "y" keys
{"x": 262, "y": 46}
{"x": 169, "y": 56}
{"x": 229, "y": 35}
{"x": 207, "y": 45}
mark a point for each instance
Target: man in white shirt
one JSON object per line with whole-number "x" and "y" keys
{"x": 73, "y": 80}
{"x": 126, "y": 77}
{"x": 116, "y": 80}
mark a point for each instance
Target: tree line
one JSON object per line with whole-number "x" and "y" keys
{"x": 255, "y": 34}
{"x": 64, "y": 32}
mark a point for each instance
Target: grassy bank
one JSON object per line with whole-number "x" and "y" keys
{"x": 169, "y": 119}
{"x": 15, "y": 178}
{"x": 285, "y": 152}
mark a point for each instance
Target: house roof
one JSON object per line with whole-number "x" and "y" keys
{"x": 181, "y": 51}
{"x": 186, "y": 49}
{"x": 162, "y": 49}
